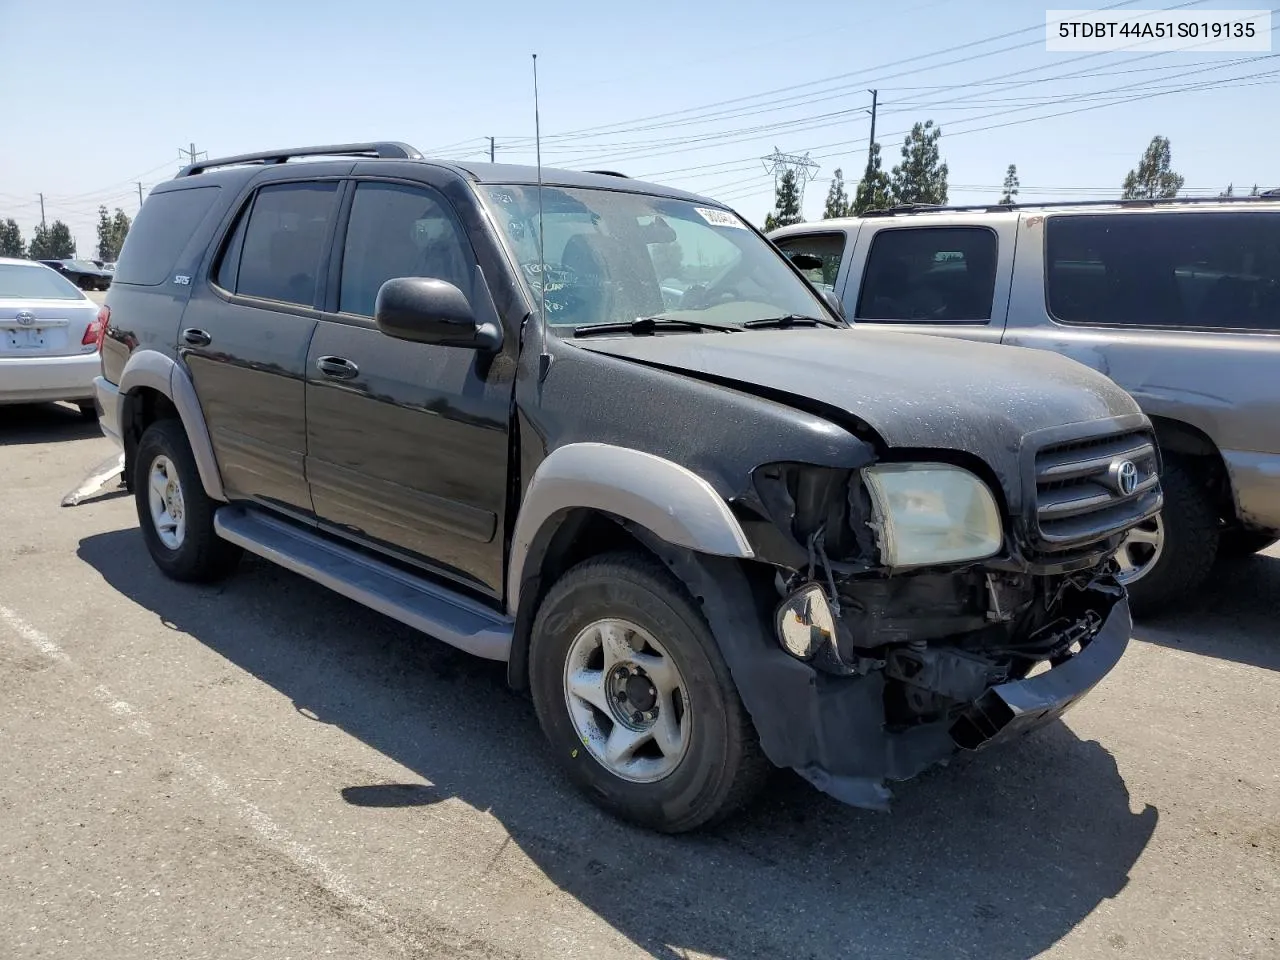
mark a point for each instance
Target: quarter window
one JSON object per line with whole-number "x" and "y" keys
{"x": 275, "y": 254}
{"x": 828, "y": 247}
{"x": 1178, "y": 269}
{"x": 400, "y": 231}
{"x": 930, "y": 275}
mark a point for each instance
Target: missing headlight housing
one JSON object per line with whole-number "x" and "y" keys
{"x": 932, "y": 513}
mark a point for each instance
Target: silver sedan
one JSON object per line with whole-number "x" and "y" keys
{"x": 50, "y": 335}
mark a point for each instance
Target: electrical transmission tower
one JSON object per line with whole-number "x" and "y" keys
{"x": 802, "y": 167}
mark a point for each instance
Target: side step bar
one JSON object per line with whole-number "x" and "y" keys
{"x": 433, "y": 609}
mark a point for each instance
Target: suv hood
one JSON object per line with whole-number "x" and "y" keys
{"x": 914, "y": 391}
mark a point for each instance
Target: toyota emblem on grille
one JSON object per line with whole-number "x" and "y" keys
{"x": 25, "y": 318}
{"x": 1124, "y": 475}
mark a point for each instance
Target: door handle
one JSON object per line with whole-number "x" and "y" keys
{"x": 196, "y": 338}
{"x": 337, "y": 368}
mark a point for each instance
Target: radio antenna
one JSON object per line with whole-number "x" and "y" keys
{"x": 542, "y": 247}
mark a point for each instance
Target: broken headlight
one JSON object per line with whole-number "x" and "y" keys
{"x": 931, "y": 513}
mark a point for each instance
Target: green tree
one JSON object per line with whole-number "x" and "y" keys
{"x": 11, "y": 244}
{"x": 786, "y": 203}
{"x": 52, "y": 242}
{"x": 873, "y": 189}
{"x": 837, "y": 199}
{"x": 921, "y": 177}
{"x": 120, "y": 224}
{"x": 1153, "y": 179}
{"x": 111, "y": 233}
{"x": 1010, "y": 185}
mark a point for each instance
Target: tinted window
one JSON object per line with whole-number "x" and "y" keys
{"x": 160, "y": 232}
{"x": 400, "y": 231}
{"x": 1183, "y": 269}
{"x": 283, "y": 241}
{"x": 929, "y": 274}
{"x": 828, "y": 247}
{"x": 18, "y": 282}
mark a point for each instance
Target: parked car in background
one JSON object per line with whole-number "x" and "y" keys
{"x": 49, "y": 337}
{"x": 85, "y": 274}
{"x": 706, "y": 525}
{"x": 1177, "y": 301}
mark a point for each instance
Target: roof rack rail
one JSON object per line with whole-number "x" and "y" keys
{"x": 608, "y": 173}
{"x": 388, "y": 149}
{"x": 994, "y": 207}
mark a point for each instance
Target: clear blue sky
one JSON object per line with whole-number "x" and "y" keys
{"x": 93, "y": 97}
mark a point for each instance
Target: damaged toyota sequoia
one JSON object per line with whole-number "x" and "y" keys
{"x": 602, "y": 431}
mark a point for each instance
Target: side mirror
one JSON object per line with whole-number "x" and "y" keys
{"x": 424, "y": 310}
{"x": 805, "y": 261}
{"x": 834, "y": 303}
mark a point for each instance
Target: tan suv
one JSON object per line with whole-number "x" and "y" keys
{"x": 1177, "y": 301}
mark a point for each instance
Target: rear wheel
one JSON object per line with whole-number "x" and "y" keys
{"x": 175, "y": 513}
{"x": 87, "y": 283}
{"x": 89, "y": 412}
{"x": 1165, "y": 562}
{"x": 638, "y": 704}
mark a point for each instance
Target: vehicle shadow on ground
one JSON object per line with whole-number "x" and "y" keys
{"x": 999, "y": 855}
{"x": 43, "y": 423}
{"x": 1233, "y": 618}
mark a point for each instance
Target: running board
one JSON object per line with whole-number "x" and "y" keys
{"x": 433, "y": 609}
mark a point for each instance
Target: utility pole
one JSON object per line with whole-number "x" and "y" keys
{"x": 875, "y": 96}
{"x": 192, "y": 155}
{"x": 491, "y": 149}
{"x": 139, "y": 183}
{"x": 42, "y": 225}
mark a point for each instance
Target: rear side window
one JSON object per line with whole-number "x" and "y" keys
{"x": 1183, "y": 269}
{"x": 160, "y": 233}
{"x": 829, "y": 247}
{"x": 275, "y": 251}
{"x": 929, "y": 275}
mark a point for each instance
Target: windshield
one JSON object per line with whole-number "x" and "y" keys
{"x": 20, "y": 282}
{"x": 81, "y": 264}
{"x": 613, "y": 257}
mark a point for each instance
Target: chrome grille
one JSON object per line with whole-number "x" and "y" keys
{"x": 1087, "y": 490}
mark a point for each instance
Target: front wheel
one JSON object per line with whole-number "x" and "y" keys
{"x": 637, "y": 702}
{"x": 175, "y": 513}
{"x": 1165, "y": 561}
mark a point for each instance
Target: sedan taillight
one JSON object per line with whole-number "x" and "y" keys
{"x": 97, "y": 331}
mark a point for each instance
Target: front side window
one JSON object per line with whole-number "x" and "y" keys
{"x": 1178, "y": 269}
{"x": 827, "y": 247}
{"x": 614, "y": 257}
{"x": 279, "y": 254}
{"x": 400, "y": 231}
{"x": 21, "y": 282}
{"x": 930, "y": 275}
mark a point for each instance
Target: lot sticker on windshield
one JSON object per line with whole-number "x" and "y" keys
{"x": 720, "y": 218}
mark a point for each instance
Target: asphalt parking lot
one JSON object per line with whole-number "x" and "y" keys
{"x": 262, "y": 769}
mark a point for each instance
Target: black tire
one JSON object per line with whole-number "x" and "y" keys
{"x": 88, "y": 412}
{"x": 87, "y": 283}
{"x": 1191, "y": 534}
{"x": 202, "y": 556}
{"x": 1236, "y": 544}
{"x": 723, "y": 766}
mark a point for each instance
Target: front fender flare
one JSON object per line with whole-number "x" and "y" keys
{"x": 156, "y": 371}
{"x": 669, "y": 500}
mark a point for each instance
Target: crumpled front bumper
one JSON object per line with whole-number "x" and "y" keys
{"x": 850, "y": 759}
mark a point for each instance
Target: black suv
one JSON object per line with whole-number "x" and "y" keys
{"x": 602, "y": 431}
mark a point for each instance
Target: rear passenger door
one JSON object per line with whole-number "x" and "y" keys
{"x": 245, "y": 336}
{"x": 408, "y": 442}
{"x": 945, "y": 279}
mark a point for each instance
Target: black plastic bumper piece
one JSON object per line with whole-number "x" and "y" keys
{"x": 1019, "y": 706}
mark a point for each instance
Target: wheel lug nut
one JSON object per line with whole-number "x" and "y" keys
{"x": 621, "y": 696}
{"x": 637, "y": 717}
